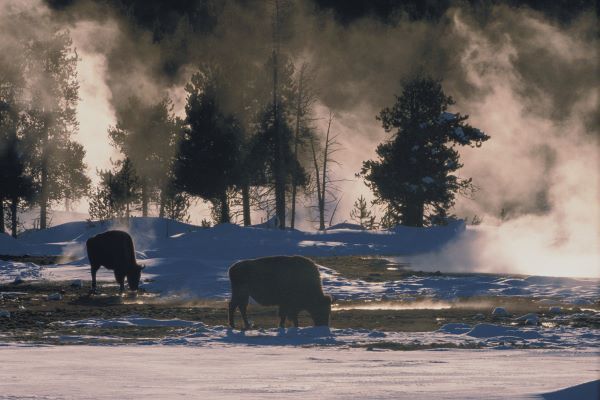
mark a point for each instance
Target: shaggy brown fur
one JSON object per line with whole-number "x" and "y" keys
{"x": 291, "y": 282}
{"x": 114, "y": 250}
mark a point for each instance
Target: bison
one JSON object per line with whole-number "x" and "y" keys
{"x": 291, "y": 282}
{"x": 114, "y": 250}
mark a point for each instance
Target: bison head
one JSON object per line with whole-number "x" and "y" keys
{"x": 321, "y": 312}
{"x": 133, "y": 277}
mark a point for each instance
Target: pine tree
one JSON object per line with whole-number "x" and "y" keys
{"x": 116, "y": 193}
{"x": 50, "y": 120}
{"x": 147, "y": 135}
{"x": 15, "y": 183}
{"x": 208, "y": 163}
{"x": 361, "y": 214}
{"x": 413, "y": 176}
{"x": 75, "y": 183}
{"x": 176, "y": 203}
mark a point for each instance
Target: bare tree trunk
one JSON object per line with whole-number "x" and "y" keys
{"x": 246, "y": 204}
{"x": 225, "y": 217}
{"x": 324, "y": 178}
{"x": 279, "y": 153}
{"x": 67, "y": 204}
{"x": 318, "y": 179}
{"x": 2, "y": 228}
{"x": 44, "y": 179}
{"x": 296, "y": 139}
{"x": 161, "y": 208}
{"x": 413, "y": 213}
{"x": 128, "y": 200}
{"x": 145, "y": 196}
{"x": 13, "y": 216}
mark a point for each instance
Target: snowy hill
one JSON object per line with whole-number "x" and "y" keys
{"x": 191, "y": 260}
{"x": 163, "y": 237}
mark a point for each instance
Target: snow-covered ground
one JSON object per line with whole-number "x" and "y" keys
{"x": 483, "y": 335}
{"x": 204, "y": 361}
{"x": 256, "y": 372}
{"x": 190, "y": 260}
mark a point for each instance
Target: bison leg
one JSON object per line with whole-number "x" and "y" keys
{"x": 243, "y": 309}
{"x": 239, "y": 298}
{"x": 230, "y": 313}
{"x": 94, "y": 271}
{"x": 282, "y": 316}
{"x": 242, "y": 303}
{"x": 121, "y": 280}
{"x": 294, "y": 318}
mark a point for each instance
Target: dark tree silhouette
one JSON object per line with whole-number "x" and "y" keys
{"x": 76, "y": 184}
{"x": 413, "y": 176}
{"x": 115, "y": 193}
{"x": 361, "y": 214}
{"x": 15, "y": 184}
{"x": 147, "y": 134}
{"x": 50, "y": 118}
{"x": 208, "y": 163}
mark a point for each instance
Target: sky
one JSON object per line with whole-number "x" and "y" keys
{"x": 526, "y": 73}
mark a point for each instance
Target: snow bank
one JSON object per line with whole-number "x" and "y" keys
{"x": 11, "y": 246}
{"x": 588, "y": 390}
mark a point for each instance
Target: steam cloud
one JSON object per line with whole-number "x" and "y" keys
{"x": 528, "y": 81}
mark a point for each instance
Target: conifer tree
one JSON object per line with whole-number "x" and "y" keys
{"x": 147, "y": 135}
{"x": 413, "y": 177}
{"x": 361, "y": 214}
{"x": 50, "y": 120}
{"x": 208, "y": 163}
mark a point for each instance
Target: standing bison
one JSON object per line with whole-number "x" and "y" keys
{"x": 290, "y": 282}
{"x": 114, "y": 250}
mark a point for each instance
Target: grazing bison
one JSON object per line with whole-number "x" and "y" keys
{"x": 114, "y": 250}
{"x": 290, "y": 282}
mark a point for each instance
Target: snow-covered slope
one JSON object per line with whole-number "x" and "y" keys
{"x": 12, "y": 246}
{"x": 191, "y": 260}
{"x": 167, "y": 237}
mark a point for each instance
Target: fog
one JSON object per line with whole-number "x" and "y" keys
{"x": 528, "y": 81}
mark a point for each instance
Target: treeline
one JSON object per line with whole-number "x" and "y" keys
{"x": 248, "y": 141}
{"x": 40, "y": 164}
{"x": 242, "y": 145}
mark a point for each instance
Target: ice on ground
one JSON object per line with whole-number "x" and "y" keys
{"x": 16, "y": 272}
{"x": 195, "y": 333}
{"x": 133, "y": 321}
{"x": 500, "y": 312}
{"x": 54, "y": 297}
{"x": 529, "y": 319}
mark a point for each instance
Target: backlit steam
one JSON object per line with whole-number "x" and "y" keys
{"x": 544, "y": 167}
{"x": 527, "y": 81}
